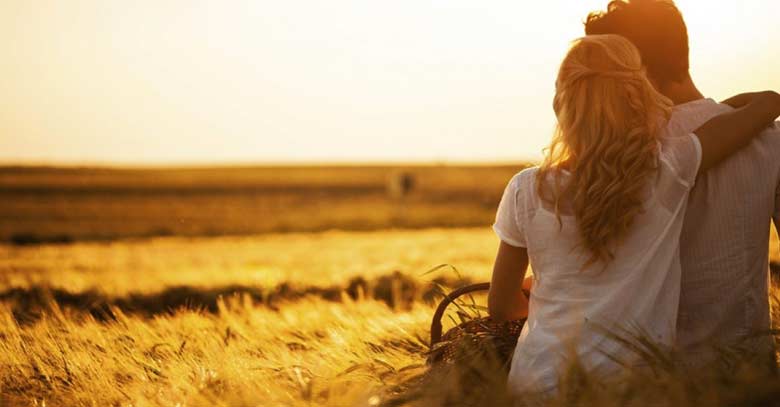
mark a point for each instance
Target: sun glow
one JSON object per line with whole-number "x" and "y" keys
{"x": 255, "y": 81}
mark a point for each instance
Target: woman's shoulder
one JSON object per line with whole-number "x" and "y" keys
{"x": 682, "y": 154}
{"x": 524, "y": 177}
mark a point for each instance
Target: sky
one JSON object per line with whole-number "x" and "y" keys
{"x": 178, "y": 82}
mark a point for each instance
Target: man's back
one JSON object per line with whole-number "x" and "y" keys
{"x": 725, "y": 239}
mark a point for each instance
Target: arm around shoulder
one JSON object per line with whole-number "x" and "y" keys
{"x": 726, "y": 134}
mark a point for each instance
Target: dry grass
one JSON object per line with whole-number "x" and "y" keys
{"x": 310, "y": 351}
{"x": 307, "y": 353}
{"x": 302, "y": 351}
{"x": 235, "y": 350}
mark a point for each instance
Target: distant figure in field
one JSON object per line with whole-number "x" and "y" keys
{"x": 649, "y": 213}
{"x": 399, "y": 185}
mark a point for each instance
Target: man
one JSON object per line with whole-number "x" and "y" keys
{"x": 724, "y": 244}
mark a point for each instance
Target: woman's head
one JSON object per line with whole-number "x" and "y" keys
{"x": 609, "y": 116}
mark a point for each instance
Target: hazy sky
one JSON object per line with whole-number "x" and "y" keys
{"x": 171, "y": 82}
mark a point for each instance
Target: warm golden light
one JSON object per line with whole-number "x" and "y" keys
{"x": 154, "y": 253}
{"x": 255, "y": 81}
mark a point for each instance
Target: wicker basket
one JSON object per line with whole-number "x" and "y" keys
{"x": 482, "y": 332}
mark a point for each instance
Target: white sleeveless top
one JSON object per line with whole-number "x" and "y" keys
{"x": 571, "y": 306}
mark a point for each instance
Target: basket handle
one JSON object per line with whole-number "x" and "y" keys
{"x": 448, "y": 299}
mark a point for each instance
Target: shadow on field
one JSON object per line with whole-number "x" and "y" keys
{"x": 397, "y": 290}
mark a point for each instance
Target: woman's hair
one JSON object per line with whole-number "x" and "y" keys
{"x": 609, "y": 116}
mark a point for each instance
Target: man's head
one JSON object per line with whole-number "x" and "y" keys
{"x": 656, "y": 28}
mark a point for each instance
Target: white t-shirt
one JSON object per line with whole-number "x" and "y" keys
{"x": 571, "y": 306}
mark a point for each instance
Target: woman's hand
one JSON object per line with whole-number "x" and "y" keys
{"x": 528, "y": 284}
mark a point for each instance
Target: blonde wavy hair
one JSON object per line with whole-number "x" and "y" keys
{"x": 609, "y": 117}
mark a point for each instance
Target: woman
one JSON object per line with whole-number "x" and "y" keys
{"x": 600, "y": 219}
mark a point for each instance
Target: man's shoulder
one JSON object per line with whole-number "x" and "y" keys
{"x": 690, "y": 116}
{"x": 766, "y": 146}
{"x": 771, "y": 135}
{"x": 760, "y": 156}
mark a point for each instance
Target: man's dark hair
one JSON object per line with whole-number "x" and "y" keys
{"x": 656, "y": 28}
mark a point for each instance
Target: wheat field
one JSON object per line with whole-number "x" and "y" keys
{"x": 268, "y": 320}
{"x": 206, "y": 287}
{"x": 240, "y": 351}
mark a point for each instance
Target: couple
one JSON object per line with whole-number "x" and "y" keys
{"x": 650, "y": 212}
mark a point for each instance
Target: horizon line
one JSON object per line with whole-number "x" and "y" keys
{"x": 259, "y": 164}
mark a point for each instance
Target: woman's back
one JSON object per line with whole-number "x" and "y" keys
{"x": 573, "y": 305}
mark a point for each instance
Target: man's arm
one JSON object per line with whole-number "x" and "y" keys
{"x": 729, "y": 132}
{"x": 506, "y": 299}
